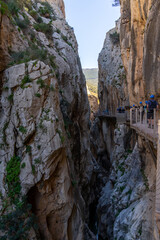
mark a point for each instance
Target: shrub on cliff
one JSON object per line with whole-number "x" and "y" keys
{"x": 114, "y": 37}
{"x": 45, "y": 28}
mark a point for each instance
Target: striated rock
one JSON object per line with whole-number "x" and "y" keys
{"x": 44, "y": 122}
{"x": 93, "y": 101}
{"x": 151, "y": 58}
{"x": 139, "y": 48}
{"x": 59, "y": 4}
{"x": 126, "y": 205}
{"x": 112, "y": 88}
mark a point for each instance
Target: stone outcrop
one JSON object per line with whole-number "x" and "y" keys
{"x": 44, "y": 121}
{"x": 112, "y": 88}
{"x": 93, "y": 101}
{"x": 126, "y": 206}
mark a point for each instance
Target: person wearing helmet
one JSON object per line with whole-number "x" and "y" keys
{"x": 145, "y": 107}
{"x": 141, "y": 107}
{"x": 151, "y": 105}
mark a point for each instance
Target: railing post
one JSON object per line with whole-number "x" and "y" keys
{"x": 157, "y": 208}
{"x": 136, "y": 115}
{"x": 141, "y": 109}
{"x": 131, "y": 121}
{"x": 155, "y": 120}
{"x": 146, "y": 116}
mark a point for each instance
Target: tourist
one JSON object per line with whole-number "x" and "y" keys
{"x": 145, "y": 107}
{"x": 151, "y": 105}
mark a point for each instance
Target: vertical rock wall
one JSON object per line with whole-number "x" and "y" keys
{"x": 112, "y": 84}
{"x": 44, "y": 121}
{"x": 139, "y": 47}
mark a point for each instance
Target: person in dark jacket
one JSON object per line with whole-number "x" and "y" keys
{"x": 152, "y": 104}
{"x": 145, "y": 107}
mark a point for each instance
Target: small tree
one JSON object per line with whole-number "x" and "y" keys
{"x": 116, "y": 3}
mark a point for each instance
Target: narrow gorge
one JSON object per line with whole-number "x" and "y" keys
{"x": 66, "y": 174}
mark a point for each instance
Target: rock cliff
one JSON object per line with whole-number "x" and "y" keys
{"x": 112, "y": 88}
{"x": 139, "y": 52}
{"x": 126, "y": 204}
{"x": 45, "y": 160}
{"x": 139, "y": 49}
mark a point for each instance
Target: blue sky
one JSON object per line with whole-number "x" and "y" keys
{"x": 91, "y": 19}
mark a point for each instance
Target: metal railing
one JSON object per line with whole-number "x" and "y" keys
{"x": 140, "y": 116}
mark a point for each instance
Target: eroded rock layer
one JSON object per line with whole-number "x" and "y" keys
{"x": 44, "y": 122}
{"x": 140, "y": 51}
{"x": 112, "y": 87}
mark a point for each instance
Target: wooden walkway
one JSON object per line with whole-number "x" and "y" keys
{"x": 147, "y": 133}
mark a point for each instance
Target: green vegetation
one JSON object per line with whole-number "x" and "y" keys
{"x": 38, "y": 95}
{"x": 91, "y": 76}
{"x": 3, "y": 7}
{"x": 114, "y": 37}
{"x": 58, "y": 31}
{"x": 122, "y": 188}
{"x": 23, "y": 24}
{"x": 35, "y": 15}
{"x": 46, "y": 10}
{"x": 51, "y": 60}
{"x": 31, "y": 53}
{"x": 10, "y": 97}
{"x": 22, "y": 129}
{"x": 12, "y": 178}
{"x": 66, "y": 40}
{"x": 33, "y": 169}
{"x": 17, "y": 221}
{"x": 23, "y": 165}
{"x": 28, "y": 149}
{"x": 41, "y": 83}
{"x": 60, "y": 135}
{"x": 121, "y": 168}
{"x": 16, "y": 224}
{"x": 37, "y": 161}
{"x": 25, "y": 80}
{"x": 45, "y": 28}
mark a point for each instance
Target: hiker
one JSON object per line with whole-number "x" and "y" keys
{"x": 152, "y": 104}
{"x": 145, "y": 107}
{"x": 140, "y": 104}
{"x": 119, "y": 109}
{"x": 122, "y": 110}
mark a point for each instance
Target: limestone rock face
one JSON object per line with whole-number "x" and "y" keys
{"x": 126, "y": 206}
{"x": 139, "y": 35}
{"x": 112, "y": 89}
{"x": 58, "y": 4}
{"x": 151, "y": 58}
{"x": 93, "y": 101}
{"x": 44, "y": 120}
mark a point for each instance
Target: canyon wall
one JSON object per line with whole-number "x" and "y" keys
{"x": 127, "y": 202}
{"x": 137, "y": 52}
{"x": 126, "y": 205}
{"x": 140, "y": 51}
{"x": 112, "y": 87}
{"x": 45, "y": 159}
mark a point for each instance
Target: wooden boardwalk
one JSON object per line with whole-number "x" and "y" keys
{"x": 147, "y": 133}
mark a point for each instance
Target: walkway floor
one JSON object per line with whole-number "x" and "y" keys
{"x": 146, "y": 132}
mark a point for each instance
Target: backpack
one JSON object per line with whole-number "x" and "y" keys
{"x": 152, "y": 105}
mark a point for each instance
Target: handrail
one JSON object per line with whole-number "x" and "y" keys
{"x": 139, "y": 116}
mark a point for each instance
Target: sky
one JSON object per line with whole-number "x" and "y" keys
{"x": 91, "y": 19}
